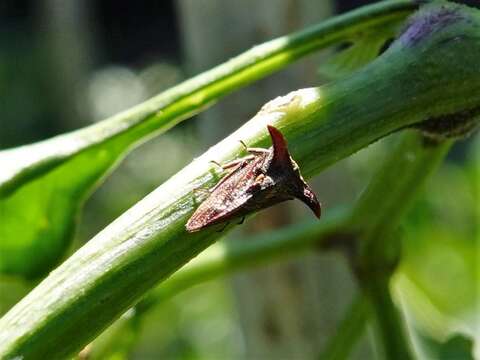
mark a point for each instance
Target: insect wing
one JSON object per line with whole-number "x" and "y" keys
{"x": 226, "y": 201}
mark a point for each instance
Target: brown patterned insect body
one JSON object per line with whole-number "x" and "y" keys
{"x": 265, "y": 178}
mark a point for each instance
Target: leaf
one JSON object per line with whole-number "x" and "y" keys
{"x": 358, "y": 52}
{"x": 38, "y": 219}
{"x": 11, "y": 290}
{"x": 456, "y": 347}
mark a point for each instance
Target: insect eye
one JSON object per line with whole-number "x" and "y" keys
{"x": 259, "y": 179}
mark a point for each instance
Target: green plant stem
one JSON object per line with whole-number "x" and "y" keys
{"x": 377, "y": 216}
{"x": 225, "y": 258}
{"x": 167, "y": 109}
{"x": 390, "y": 327}
{"x": 391, "y": 192}
{"x": 350, "y": 330}
{"x": 149, "y": 242}
{"x": 45, "y": 184}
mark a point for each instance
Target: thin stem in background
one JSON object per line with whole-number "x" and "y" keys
{"x": 390, "y": 327}
{"x": 350, "y": 330}
{"x": 376, "y": 217}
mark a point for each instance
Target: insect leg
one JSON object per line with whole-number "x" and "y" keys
{"x": 232, "y": 170}
{"x": 231, "y": 166}
{"x": 257, "y": 151}
{"x": 254, "y": 151}
{"x": 201, "y": 191}
{"x": 234, "y": 163}
{"x": 216, "y": 163}
{"x": 241, "y": 220}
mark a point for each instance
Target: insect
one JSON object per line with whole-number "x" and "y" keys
{"x": 262, "y": 179}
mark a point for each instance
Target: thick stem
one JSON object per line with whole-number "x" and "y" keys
{"x": 222, "y": 259}
{"x": 226, "y": 258}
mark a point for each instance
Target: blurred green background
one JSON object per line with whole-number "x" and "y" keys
{"x": 67, "y": 64}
